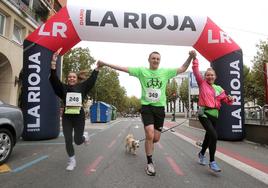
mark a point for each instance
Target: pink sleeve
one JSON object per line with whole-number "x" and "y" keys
{"x": 226, "y": 100}
{"x": 196, "y": 72}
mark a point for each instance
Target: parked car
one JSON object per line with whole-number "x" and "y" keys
{"x": 11, "y": 128}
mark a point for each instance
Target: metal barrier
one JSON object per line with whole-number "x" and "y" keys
{"x": 265, "y": 114}
{"x": 253, "y": 115}
{"x": 256, "y": 114}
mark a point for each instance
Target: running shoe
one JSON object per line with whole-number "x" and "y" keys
{"x": 71, "y": 165}
{"x": 86, "y": 142}
{"x": 150, "y": 169}
{"x": 202, "y": 159}
{"x": 214, "y": 166}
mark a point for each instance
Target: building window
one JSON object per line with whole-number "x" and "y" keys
{"x": 57, "y": 6}
{"x": 26, "y": 2}
{"x": 17, "y": 33}
{"x": 2, "y": 23}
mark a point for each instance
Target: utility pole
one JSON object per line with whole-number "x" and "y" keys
{"x": 265, "y": 70}
{"x": 174, "y": 107}
{"x": 189, "y": 95}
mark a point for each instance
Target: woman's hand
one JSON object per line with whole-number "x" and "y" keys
{"x": 230, "y": 98}
{"x": 54, "y": 58}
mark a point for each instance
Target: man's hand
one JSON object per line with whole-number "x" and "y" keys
{"x": 192, "y": 54}
{"x": 100, "y": 63}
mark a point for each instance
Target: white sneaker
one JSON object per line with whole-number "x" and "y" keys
{"x": 86, "y": 142}
{"x": 71, "y": 165}
{"x": 150, "y": 169}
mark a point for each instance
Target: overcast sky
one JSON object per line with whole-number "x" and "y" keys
{"x": 244, "y": 21}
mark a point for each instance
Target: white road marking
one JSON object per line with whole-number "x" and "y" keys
{"x": 259, "y": 175}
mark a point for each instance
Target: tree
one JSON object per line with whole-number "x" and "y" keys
{"x": 132, "y": 105}
{"x": 258, "y": 73}
{"x": 172, "y": 92}
{"x": 108, "y": 89}
{"x": 184, "y": 92}
{"x": 249, "y": 89}
{"x": 76, "y": 60}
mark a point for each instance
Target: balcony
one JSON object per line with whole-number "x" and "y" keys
{"x": 37, "y": 10}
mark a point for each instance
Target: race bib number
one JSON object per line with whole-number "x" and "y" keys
{"x": 153, "y": 95}
{"x": 73, "y": 99}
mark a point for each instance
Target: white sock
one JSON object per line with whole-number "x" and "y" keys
{"x": 72, "y": 158}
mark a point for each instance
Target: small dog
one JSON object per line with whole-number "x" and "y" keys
{"x": 131, "y": 144}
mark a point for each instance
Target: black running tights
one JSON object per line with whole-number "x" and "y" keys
{"x": 70, "y": 123}
{"x": 211, "y": 136}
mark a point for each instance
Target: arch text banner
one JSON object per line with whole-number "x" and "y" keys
{"x": 84, "y": 20}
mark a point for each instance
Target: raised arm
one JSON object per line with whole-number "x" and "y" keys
{"x": 116, "y": 67}
{"x": 184, "y": 67}
{"x": 197, "y": 74}
{"x": 54, "y": 59}
{"x": 90, "y": 82}
{"x": 53, "y": 78}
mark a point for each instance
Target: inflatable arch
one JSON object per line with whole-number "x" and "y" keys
{"x": 77, "y": 22}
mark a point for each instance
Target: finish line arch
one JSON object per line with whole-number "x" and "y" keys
{"x": 77, "y": 22}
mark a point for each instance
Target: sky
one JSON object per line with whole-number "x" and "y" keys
{"x": 244, "y": 21}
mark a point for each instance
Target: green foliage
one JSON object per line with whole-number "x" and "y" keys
{"x": 249, "y": 88}
{"x": 183, "y": 93}
{"x": 133, "y": 105}
{"x": 76, "y": 60}
{"x": 172, "y": 91}
{"x": 258, "y": 89}
{"x": 194, "y": 98}
{"x": 108, "y": 89}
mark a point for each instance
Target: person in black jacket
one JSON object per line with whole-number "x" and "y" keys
{"x": 72, "y": 95}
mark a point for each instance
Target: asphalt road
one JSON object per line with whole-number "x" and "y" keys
{"x": 104, "y": 163}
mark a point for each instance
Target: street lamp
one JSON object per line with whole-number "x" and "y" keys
{"x": 174, "y": 108}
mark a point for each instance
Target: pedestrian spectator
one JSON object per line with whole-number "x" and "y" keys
{"x": 72, "y": 95}
{"x": 210, "y": 98}
{"x": 153, "y": 82}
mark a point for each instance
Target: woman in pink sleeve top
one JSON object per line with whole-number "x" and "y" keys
{"x": 210, "y": 98}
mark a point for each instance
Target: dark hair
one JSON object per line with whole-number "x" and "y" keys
{"x": 71, "y": 72}
{"x": 154, "y": 52}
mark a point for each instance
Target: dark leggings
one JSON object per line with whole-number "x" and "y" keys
{"x": 70, "y": 123}
{"x": 211, "y": 136}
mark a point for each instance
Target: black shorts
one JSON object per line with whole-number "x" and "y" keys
{"x": 153, "y": 115}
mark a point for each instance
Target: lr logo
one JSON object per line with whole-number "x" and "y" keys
{"x": 223, "y": 37}
{"x": 58, "y": 29}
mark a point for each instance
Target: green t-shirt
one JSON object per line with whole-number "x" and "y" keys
{"x": 153, "y": 84}
{"x": 214, "y": 112}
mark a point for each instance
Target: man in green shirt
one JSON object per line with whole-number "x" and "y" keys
{"x": 153, "y": 82}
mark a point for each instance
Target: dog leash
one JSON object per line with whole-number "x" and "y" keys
{"x": 167, "y": 129}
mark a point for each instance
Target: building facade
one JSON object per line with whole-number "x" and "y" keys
{"x": 18, "y": 18}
